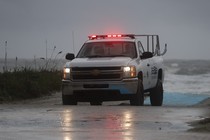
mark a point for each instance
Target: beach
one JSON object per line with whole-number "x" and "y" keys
{"x": 184, "y": 115}
{"x": 46, "y": 118}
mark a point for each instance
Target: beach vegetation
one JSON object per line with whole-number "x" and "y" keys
{"x": 28, "y": 83}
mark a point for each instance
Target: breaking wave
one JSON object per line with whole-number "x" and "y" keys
{"x": 191, "y": 76}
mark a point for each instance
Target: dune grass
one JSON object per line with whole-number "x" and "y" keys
{"x": 27, "y": 83}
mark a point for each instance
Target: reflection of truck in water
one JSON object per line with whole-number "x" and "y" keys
{"x": 115, "y": 67}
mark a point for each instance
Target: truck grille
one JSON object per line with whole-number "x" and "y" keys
{"x": 96, "y": 73}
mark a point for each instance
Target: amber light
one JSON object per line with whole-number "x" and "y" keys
{"x": 133, "y": 71}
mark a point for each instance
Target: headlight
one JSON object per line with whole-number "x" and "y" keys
{"x": 129, "y": 72}
{"x": 67, "y": 70}
{"x": 66, "y": 73}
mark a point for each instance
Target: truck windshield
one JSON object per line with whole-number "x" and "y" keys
{"x": 108, "y": 49}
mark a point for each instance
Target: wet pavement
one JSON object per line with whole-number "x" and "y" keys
{"x": 47, "y": 119}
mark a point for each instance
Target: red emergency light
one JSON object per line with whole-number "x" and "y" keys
{"x": 114, "y": 35}
{"x": 92, "y": 37}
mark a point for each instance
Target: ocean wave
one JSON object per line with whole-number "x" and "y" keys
{"x": 188, "y": 67}
{"x": 194, "y": 84}
{"x": 187, "y": 76}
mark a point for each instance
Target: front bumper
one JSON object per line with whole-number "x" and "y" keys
{"x": 100, "y": 88}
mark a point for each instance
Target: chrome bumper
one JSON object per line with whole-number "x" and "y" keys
{"x": 124, "y": 87}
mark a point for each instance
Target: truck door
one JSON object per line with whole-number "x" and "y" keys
{"x": 154, "y": 70}
{"x": 150, "y": 67}
{"x": 146, "y": 72}
{"x": 145, "y": 67}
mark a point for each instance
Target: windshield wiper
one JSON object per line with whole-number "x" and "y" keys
{"x": 92, "y": 56}
{"x": 119, "y": 55}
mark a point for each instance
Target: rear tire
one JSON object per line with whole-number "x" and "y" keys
{"x": 156, "y": 95}
{"x": 138, "y": 98}
{"x": 69, "y": 100}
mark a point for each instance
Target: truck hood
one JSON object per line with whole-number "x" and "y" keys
{"x": 99, "y": 62}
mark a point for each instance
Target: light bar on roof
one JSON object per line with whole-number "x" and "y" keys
{"x": 92, "y": 37}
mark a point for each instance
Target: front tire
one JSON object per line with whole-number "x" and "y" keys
{"x": 156, "y": 95}
{"x": 68, "y": 100}
{"x": 138, "y": 98}
{"x": 96, "y": 103}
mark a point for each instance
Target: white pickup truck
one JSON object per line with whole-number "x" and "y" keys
{"x": 115, "y": 67}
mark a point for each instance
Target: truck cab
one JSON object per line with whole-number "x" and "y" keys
{"x": 115, "y": 67}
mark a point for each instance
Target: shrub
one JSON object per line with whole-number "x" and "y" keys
{"x": 27, "y": 83}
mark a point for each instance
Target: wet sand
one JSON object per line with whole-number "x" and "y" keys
{"x": 204, "y": 103}
{"x": 202, "y": 125}
{"x": 48, "y": 119}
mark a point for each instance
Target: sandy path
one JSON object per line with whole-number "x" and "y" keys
{"x": 47, "y": 119}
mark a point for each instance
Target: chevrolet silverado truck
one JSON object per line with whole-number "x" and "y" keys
{"x": 115, "y": 67}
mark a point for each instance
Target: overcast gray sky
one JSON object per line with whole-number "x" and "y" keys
{"x": 26, "y": 24}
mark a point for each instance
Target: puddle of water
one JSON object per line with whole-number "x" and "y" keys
{"x": 180, "y": 99}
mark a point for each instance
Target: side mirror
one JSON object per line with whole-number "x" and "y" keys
{"x": 146, "y": 55}
{"x": 70, "y": 56}
{"x": 165, "y": 50}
